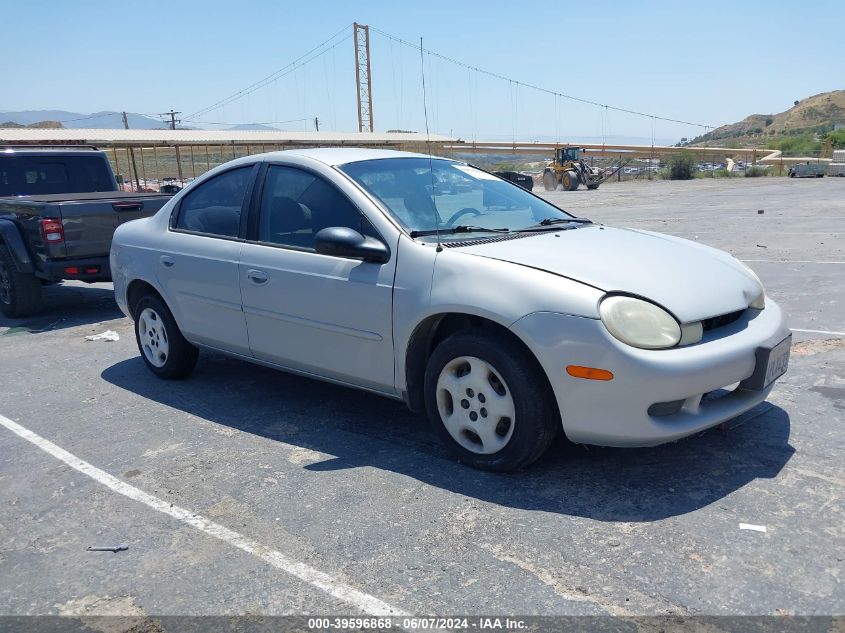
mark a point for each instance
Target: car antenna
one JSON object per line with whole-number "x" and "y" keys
{"x": 428, "y": 146}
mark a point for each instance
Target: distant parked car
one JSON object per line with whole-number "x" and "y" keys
{"x": 506, "y": 323}
{"x": 523, "y": 180}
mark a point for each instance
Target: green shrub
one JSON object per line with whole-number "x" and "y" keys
{"x": 838, "y": 138}
{"x": 681, "y": 167}
{"x": 755, "y": 172}
{"x": 797, "y": 145}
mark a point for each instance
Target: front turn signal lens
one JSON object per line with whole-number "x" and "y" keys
{"x": 588, "y": 373}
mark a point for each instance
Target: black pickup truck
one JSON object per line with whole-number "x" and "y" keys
{"x": 59, "y": 208}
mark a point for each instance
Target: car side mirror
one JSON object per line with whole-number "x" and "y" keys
{"x": 341, "y": 241}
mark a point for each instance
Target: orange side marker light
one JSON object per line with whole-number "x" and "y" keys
{"x": 589, "y": 373}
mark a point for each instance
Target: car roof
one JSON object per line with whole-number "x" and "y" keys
{"x": 334, "y": 156}
{"x": 48, "y": 151}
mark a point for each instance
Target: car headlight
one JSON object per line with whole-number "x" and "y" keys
{"x": 760, "y": 302}
{"x": 639, "y": 323}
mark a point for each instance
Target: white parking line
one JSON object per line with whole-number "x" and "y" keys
{"x": 789, "y": 261}
{"x": 324, "y": 582}
{"x": 795, "y": 329}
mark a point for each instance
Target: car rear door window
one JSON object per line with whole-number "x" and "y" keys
{"x": 215, "y": 206}
{"x": 296, "y": 205}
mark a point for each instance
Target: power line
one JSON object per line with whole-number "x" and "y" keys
{"x": 281, "y": 72}
{"x": 99, "y": 115}
{"x": 533, "y": 87}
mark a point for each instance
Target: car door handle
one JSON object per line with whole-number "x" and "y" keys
{"x": 257, "y": 277}
{"x": 166, "y": 261}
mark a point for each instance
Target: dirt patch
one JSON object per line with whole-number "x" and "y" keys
{"x": 817, "y": 346}
{"x": 107, "y": 614}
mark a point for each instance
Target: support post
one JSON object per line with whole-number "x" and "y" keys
{"x": 363, "y": 77}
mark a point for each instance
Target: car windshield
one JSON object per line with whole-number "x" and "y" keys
{"x": 425, "y": 195}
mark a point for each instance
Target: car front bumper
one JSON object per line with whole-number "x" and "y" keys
{"x": 673, "y": 383}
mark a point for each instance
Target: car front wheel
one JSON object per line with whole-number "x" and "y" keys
{"x": 163, "y": 348}
{"x": 489, "y": 402}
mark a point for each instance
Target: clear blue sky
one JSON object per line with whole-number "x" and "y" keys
{"x": 708, "y": 62}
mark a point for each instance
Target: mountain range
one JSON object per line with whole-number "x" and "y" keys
{"x": 101, "y": 120}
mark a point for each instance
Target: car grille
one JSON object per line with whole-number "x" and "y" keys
{"x": 722, "y": 320}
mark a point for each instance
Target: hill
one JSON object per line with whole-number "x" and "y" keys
{"x": 816, "y": 114}
{"x": 43, "y": 125}
{"x": 252, "y": 126}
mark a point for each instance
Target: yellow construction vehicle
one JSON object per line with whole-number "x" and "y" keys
{"x": 568, "y": 170}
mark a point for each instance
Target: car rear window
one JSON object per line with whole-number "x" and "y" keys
{"x": 40, "y": 175}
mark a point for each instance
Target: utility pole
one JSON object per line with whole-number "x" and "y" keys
{"x": 132, "y": 155}
{"x": 316, "y": 124}
{"x": 173, "y": 122}
{"x": 173, "y": 119}
{"x": 363, "y": 77}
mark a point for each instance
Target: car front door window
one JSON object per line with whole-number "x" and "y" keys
{"x": 296, "y": 205}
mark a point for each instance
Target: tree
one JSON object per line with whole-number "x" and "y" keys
{"x": 681, "y": 167}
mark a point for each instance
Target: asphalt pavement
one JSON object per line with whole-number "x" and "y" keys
{"x": 333, "y": 501}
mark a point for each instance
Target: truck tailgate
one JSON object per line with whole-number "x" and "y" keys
{"x": 90, "y": 220}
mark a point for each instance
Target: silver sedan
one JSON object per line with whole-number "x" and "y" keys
{"x": 501, "y": 316}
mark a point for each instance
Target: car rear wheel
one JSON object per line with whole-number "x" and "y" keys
{"x": 488, "y": 401}
{"x": 20, "y": 292}
{"x": 164, "y": 350}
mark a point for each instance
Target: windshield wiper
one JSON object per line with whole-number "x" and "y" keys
{"x": 550, "y": 221}
{"x": 553, "y": 222}
{"x": 461, "y": 228}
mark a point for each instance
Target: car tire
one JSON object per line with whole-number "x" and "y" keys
{"x": 477, "y": 380}
{"x": 163, "y": 348}
{"x": 20, "y": 293}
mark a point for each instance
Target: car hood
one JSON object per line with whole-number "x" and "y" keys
{"x": 690, "y": 280}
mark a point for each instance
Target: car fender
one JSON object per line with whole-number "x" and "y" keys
{"x": 10, "y": 235}
{"x": 429, "y": 283}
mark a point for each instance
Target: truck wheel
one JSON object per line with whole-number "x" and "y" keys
{"x": 569, "y": 181}
{"x": 165, "y": 351}
{"x": 20, "y": 292}
{"x": 549, "y": 181}
{"x": 489, "y": 402}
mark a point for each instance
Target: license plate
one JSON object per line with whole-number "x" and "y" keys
{"x": 778, "y": 361}
{"x": 771, "y": 364}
